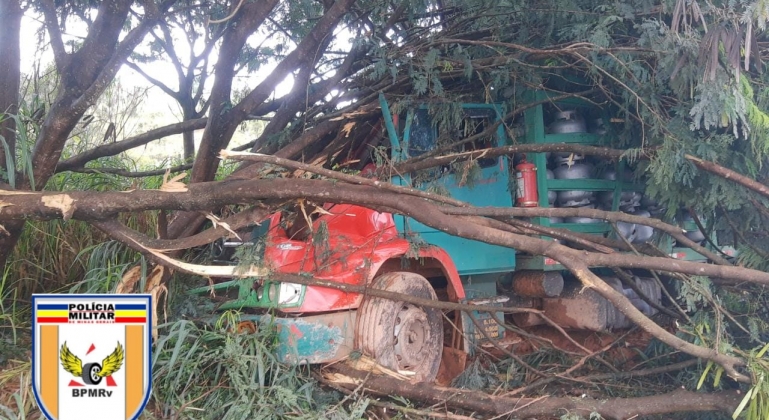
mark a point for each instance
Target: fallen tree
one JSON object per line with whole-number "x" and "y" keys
{"x": 92, "y": 206}
{"x": 199, "y": 196}
{"x": 661, "y": 110}
{"x": 520, "y": 408}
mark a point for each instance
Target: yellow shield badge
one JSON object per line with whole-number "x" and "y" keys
{"x": 91, "y": 355}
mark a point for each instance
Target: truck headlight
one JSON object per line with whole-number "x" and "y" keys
{"x": 290, "y": 293}
{"x": 272, "y": 292}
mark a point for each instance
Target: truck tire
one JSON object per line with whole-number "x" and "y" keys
{"x": 91, "y": 374}
{"x": 402, "y": 336}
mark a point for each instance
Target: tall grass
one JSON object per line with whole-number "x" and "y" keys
{"x": 9, "y": 313}
{"x": 15, "y": 375}
{"x": 216, "y": 373}
{"x": 20, "y": 403}
{"x": 59, "y": 256}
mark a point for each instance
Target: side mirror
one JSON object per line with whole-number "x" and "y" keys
{"x": 217, "y": 248}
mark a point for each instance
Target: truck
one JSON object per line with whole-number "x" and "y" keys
{"x": 358, "y": 246}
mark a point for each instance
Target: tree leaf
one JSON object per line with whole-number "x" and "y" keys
{"x": 742, "y": 405}
{"x": 704, "y": 374}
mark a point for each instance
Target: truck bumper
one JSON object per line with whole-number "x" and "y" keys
{"x": 310, "y": 339}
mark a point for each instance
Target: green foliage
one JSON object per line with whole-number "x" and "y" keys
{"x": 485, "y": 374}
{"x": 13, "y": 316}
{"x": 757, "y": 120}
{"x": 251, "y": 255}
{"x": 750, "y": 257}
{"x": 218, "y": 374}
{"x": 659, "y": 91}
{"x": 694, "y": 292}
{"x": 755, "y": 403}
{"x": 719, "y": 104}
{"x": 320, "y": 241}
{"x": 20, "y": 405}
{"x": 106, "y": 264}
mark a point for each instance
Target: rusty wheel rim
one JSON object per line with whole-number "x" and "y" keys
{"x": 411, "y": 334}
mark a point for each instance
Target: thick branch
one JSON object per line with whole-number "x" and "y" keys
{"x": 642, "y": 372}
{"x": 112, "y": 149}
{"x": 287, "y": 163}
{"x": 674, "y": 231}
{"x": 414, "y": 165}
{"x": 589, "y": 279}
{"x": 122, "y": 233}
{"x": 726, "y": 173}
{"x": 57, "y": 44}
{"x": 99, "y": 45}
{"x": 118, "y": 55}
{"x": 295, "y": 147}
{"x": 300, "y": 96}
{"x": 307, "y": 51}
{"x": 260, "y": 272}
{"x": 616, "y": 408}
{"x": 89, "y": 72}
{"x": 130, "y": 174}
{"x": 91, "y": 205}
{"x": 222, "y": 122}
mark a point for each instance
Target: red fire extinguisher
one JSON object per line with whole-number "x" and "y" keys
{"x": 526, "y": 179}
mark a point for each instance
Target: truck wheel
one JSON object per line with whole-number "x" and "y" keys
{"x": 400, "y": 335}
{"x": 91, "y": 373}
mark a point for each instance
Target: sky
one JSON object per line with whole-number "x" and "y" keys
{"x": 162, "y": 71}
{"x": 158, "y": 109}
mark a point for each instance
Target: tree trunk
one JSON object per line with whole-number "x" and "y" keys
{"x": 189, "y": 145}
{"x": 10, "y": 73}
{"x": 221, "y": 122}
{"x": 188, "y": 137}
{"x": 615, "y": 408}
{"x": 86, "y": 73}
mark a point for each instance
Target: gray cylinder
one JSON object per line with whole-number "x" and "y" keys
{"x": 575, "y": 171}
{"x": 567, "y": 121}
{"x": 575, "y": 198}
{"x": 564, "y": 157}
{"x": 551, "y": 195}
{"x": 583, "y": 309}
{"x": 598, "y": 127}
{"x": 627, "y": 230}
{"x": 587, "y": 310}
{"x": 643, "y": 233}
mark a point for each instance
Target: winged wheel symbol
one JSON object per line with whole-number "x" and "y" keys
{"x": 91, "y": 373}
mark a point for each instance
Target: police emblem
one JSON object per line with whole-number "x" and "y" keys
{"x": 91, "y": 355}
